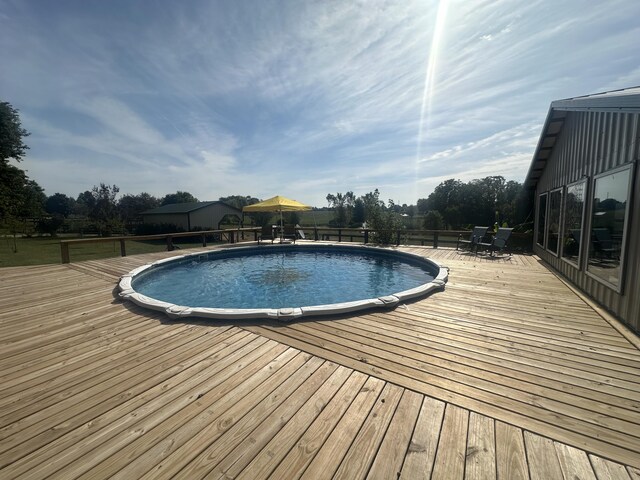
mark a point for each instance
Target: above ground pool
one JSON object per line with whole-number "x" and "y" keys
{"x": 281, "y": 281}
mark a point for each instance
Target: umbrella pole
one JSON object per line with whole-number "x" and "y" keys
{"x": 281, "y": 228}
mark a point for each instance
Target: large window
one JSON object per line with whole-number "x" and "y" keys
{"x": 553, "y": 221}
{"x": 542, "y": 215}
{"x": 609, "y": 216}
{"x": 573, "y": 222}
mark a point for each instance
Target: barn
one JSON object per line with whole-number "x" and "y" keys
{"x": 192, "y": 216}
{"x": 584, "y": 173}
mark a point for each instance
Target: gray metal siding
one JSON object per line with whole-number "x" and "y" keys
{"x": 178, "y": 219}
{"x": 591, "y": 143}
{"x": 211, "y": 216}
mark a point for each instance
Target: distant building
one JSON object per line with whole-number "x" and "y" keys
{"x": 587, "y": 196}
{"x": 190, "y": 216}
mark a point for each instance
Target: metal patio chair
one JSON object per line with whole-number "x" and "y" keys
{"x": 475, "y": 238}
{"x": 498, "y": 242}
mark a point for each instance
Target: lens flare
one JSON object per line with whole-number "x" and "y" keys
{"x": 429, "y": 81}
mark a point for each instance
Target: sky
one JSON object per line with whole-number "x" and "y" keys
{"x": 299, "y": 98}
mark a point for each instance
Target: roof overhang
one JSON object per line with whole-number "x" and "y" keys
{"x": 622, "y": 101}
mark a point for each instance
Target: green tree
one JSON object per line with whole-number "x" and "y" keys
{"x": 343, "y": 206}
{"x": 85, "y": 203}
{"x": 178, "y": 197}
{"x": 105, "y": 209}
{"x": 20, "y": 197}
{"x": 433, "y": 220}
{"x": 59, "y": 204}
{"x": 32, "y": 200}
{"x": 239, "y": 201}
{"x": 358, "y": 216}
{"x": 11, "y": 134}
{"x": 478, "y": 202}
{"x": 130, "y": 206}
{"x": 382, "y": 219}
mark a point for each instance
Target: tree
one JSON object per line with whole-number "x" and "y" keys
{"x": 11, "y": 134}
{"x": 477, "y": 202}
{"x": 343, "y": 206}
{"x": 239, "y": 201}
{"x": 84, "y": 203}
{"x": 32, "y": 200}
{"x": 178, "y": 197}
{"x": 105, "y": 210}
{"x": 358, "y": 216}
{"x": 433, "y": 220}
{"x": 130, "y": 206}
{"x": 380, "y": 218}
{"x": 20, "y": 197}
{"x": 59, "y": 204}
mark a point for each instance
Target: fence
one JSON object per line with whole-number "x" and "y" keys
{"x": 521, "y": 242}
{"x": 231, "y": 236}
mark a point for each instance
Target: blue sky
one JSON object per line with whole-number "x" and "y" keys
{"x": 300, "y": 98}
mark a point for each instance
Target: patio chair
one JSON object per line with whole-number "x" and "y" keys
{"x": 475, "y": 238}
{"x": 300, "y": 232}
{"x": 290, "y": 233}
{"x": 266, "y": 234}
{"x": 499, "y": 241}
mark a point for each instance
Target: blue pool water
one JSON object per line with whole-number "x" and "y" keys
{"x": 280, "y": 278}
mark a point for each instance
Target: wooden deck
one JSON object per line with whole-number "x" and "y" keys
{"x": 505, "y": 374}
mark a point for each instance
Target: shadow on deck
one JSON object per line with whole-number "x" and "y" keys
{"x": 507, "y": 373}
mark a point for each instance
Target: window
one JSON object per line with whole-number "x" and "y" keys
{"x": 609, "y": 216}
{"x": 553, "y": 221}
{"x": 573, "y": 222}
{"x": 542, "y": 215}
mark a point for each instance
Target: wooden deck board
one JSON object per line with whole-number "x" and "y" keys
{"x": 486, "y": 379}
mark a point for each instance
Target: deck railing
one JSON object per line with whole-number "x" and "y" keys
{"x": 230, "y": 235}
{"x": 433, "y": 238}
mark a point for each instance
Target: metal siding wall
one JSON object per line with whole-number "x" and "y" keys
{"x": 210, "y": 216}
{"x": 179, "y": 219}
{"x": 591, "y": 143}
{"x": 203, "y": 218}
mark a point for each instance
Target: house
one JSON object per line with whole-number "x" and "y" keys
{"x": 192, "y": 216}
{"x": 584, "y": 174}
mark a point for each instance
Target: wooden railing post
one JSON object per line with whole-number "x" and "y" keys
{"x": 315, "y": 233}
{"x": 339, "y": 235}
{"x": 366, "y": 235}
{"x": 435, "y": 239}
{"x": 398, "y": 238}
{"x": 231, "y": 237}
{"x": 169, "y": 244}
{"x": 204, "y": 239}
{"x": 64, "y": 251}
{"x": 123, "y": 251}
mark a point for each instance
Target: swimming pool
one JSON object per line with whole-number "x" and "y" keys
{"x": 281, "y": 281}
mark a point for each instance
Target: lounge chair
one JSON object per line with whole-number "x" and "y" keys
{"x": 499, "y": 241}
{"x": 266, "y": 234}
{"x": 300, "y": 232}
{"x": 290, "y": 233}
{"x": 475, "y": 238}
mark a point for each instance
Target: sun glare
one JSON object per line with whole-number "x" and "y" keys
{"x": 429, "y": 81}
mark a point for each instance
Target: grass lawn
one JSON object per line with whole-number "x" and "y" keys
{"x": 43, "y": 250}
{"x": 312, "y": 218}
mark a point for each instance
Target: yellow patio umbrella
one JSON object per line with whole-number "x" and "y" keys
{"x": 277, "y": 204}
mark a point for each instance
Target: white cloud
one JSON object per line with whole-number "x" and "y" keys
{"x": 220, "y": 98}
